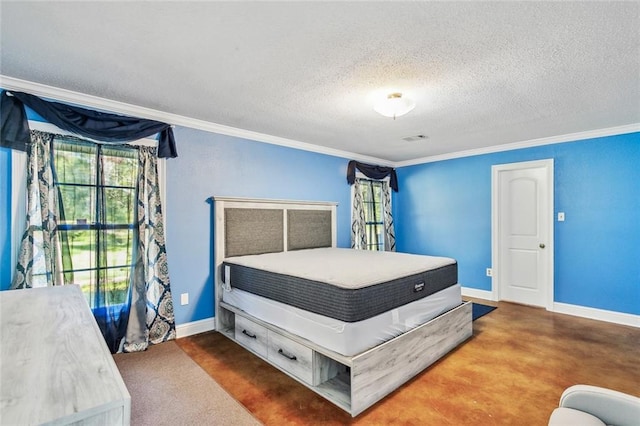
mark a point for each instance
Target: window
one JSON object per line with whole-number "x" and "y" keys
{"x": 371, "y": 193}
{"x": 371, "y": 219}
{"x": 97, "y": 188}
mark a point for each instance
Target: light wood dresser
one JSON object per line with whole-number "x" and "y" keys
{"x": 55, "y": 367}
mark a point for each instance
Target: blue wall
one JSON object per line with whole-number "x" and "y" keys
{"x": 5, "y": 218}
{"x": 211, "y": 164}
{"x": 445, "y": 208}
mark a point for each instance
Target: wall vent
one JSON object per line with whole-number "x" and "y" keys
{"x": 415, "y": 138}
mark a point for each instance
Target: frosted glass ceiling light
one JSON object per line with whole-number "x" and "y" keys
{"x": 394, "y": 105}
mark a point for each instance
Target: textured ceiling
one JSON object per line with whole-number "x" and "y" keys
{"x": 482, "y": 73}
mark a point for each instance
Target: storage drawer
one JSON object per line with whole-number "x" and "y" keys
{"x": 294, "y": 358}
{"x": 251, "y": 335}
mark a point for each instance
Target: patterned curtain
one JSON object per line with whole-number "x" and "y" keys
{"x": 358, "y": 224}
{"x": 151, "y": 319}
{"x": 389, "y": 231}
{"x": 39, "y": 260}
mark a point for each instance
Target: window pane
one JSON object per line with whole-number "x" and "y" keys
{"x": 116, "y": 285}
{"x": 119, "y": 246}
{"x": 82, "y": 247}
{"x": 119, "y": 205}
{"x": 79, "y": 204}
{"x": 120, "y": 167}
{"x": 75, "y": 163}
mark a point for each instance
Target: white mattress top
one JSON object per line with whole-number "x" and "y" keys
{"x": 343, "y": 267}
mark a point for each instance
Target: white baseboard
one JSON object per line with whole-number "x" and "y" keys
{"x": 478, "y": 294}
{"x": 575, "y": 310}
{"x": 597, "y": 314}
{"x": 195, "y": 327}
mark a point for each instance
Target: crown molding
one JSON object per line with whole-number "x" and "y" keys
{"x": 570, "y": 137}
{"x": 116, "y": 107}
{"x": 68, "y": 96}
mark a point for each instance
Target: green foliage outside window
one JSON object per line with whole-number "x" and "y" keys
{"x": 97, "y": 186}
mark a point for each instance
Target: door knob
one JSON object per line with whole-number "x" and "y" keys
{"x": 542, "y": 245}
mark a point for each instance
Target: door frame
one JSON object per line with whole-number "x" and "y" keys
{"x": 496, "y": 284}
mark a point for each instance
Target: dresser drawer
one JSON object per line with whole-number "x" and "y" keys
{"x": 294, "y": 358}
{"x": 251, "y": 335}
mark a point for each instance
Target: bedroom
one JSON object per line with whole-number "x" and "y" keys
{"x": 596, "y": 186}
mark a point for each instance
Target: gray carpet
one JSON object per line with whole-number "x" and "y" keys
{"x": 169, "y": 388}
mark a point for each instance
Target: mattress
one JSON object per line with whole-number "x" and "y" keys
{"x": 344, "y": 284}
{"x": 346, "y": 338}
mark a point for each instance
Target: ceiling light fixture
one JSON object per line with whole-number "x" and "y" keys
{"x": 415, "y": 138}
{"x": 394, "y": 105}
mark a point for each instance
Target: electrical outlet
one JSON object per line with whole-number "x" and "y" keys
{"x": 489, "y": 272}
{"x": 184, "y": 299}
{"x": 560, "y": 216}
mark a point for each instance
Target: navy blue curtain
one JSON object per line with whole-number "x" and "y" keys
{"x": 373, "y": 172}
{"x": 96, "y": 125}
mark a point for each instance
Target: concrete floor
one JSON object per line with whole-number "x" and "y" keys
{"x": 511, "y": 372}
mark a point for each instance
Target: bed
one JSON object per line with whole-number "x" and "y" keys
{"x": 351, "y": 325}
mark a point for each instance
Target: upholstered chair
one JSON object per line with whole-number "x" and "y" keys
{"x": 586, "y": 405}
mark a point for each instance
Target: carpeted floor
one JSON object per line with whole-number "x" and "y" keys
{"x": 169, "y": 388}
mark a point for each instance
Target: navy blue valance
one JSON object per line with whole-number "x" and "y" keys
{"x": 373, "y": 172}
{"x": 95, "y": 125}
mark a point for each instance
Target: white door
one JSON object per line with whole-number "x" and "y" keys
{"x": 523, "y": 232}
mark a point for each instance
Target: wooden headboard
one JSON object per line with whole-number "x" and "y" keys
{"x": 245, "y": 226}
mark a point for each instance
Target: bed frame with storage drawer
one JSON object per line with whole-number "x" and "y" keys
{"x": 354, "y": 383}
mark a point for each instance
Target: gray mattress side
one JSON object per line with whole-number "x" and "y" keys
{"x": 347, "y": 305}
